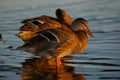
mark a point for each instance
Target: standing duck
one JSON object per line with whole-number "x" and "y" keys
{"x": 65, "y": 36}
{"x": 67, "y": 40}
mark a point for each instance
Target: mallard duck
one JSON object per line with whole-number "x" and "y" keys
{"x": 66, "y": 38}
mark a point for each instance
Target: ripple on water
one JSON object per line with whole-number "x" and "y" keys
{"x": 101, "y": 59}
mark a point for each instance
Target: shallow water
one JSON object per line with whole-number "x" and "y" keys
{"x": 101, "y": 59}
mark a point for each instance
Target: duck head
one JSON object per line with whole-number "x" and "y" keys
{"x": 81, "y": 24}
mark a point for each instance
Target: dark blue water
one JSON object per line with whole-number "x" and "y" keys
{"x": 100, "y": 61}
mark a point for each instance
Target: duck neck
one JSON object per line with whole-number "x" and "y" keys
{"x": 83, "y": 38}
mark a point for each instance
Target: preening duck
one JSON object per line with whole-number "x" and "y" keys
{"x": 53, "y": 38}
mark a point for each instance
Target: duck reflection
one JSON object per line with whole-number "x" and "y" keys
{"x": 37, "y": 69}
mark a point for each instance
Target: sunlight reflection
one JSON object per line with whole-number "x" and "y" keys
{"x": 38, "y": 69}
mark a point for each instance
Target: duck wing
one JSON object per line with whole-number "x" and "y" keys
{"x": 40, "y": 23}
{"x": 42, "y": 41}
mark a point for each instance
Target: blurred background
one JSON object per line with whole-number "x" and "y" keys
{"x": 100, "y": 61}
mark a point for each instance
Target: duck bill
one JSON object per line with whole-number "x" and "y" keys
{"x": 89, "y": 33}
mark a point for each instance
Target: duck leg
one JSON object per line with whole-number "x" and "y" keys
{"x": 58, "y": 63}
{"x": 63, "y": 50}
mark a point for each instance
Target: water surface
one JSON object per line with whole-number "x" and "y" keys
{"x": 100, "y": 61}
